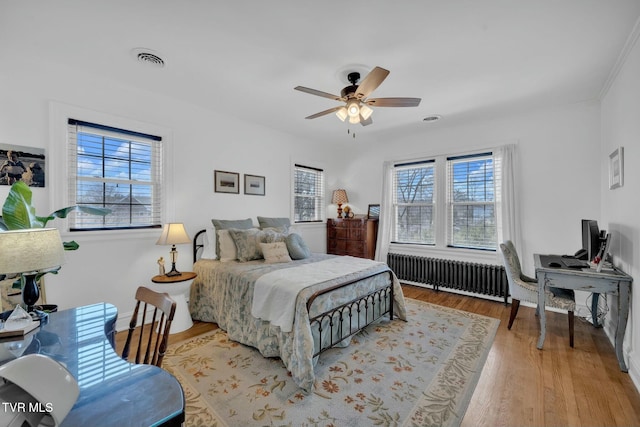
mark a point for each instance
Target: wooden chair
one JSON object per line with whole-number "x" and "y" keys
{"x": 153, "y": 337}
{"x": 525, "y": 288}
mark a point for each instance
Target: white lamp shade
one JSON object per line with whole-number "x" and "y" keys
{"x": 30, "y": 250}
{"x": 173, "y": 234}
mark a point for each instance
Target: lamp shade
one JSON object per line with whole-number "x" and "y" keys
{"x": 30, "y": 250}
{"x": 173, "y": 234}
{"x": 339, "y": 197}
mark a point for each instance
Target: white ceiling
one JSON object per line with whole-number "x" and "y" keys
{"x": 466, "y": 59}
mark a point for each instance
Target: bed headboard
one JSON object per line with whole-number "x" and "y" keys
{"x": 198, "y": 244}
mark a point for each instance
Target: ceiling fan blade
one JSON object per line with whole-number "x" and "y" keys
{"x": 393, "y": 102}
{"x": 318, "y": 93}
{"x": 371, "y": 82}
{"x": 366, "y": 122}
{"x": 324, "y": 113}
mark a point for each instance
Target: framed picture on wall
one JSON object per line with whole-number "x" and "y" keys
{"x": 374, "y": 212}
{"x": 254, "y": 185}
{"x": 19, "y": 163}
{"x": 616, "y": 168}
{"x": 226, "y": 182}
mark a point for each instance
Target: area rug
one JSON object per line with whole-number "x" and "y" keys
{"x": 417, "y": 373}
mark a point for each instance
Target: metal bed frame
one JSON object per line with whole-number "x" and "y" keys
{"x": 347, "y": 319}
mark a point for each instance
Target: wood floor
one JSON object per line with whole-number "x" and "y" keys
{"x": 523, "y": 386}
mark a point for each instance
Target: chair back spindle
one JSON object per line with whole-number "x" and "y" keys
{"x": 153, "y": 337}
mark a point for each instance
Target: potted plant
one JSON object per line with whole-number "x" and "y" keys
{"x": 18, "y": 213}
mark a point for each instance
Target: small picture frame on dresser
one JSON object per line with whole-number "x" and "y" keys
{"x": 373, "y": 212}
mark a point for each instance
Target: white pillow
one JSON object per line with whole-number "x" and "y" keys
{"x": 228, "y": 250}
{"x": 275, "y": 252}
{"x": 209, "y": 242}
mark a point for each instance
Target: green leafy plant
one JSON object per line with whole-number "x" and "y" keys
{"x": 18, "y": 212}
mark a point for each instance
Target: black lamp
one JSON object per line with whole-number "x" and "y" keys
{"x": 173, "y": 234}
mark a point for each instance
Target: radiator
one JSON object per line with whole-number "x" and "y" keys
{"x": 482, "y": 279}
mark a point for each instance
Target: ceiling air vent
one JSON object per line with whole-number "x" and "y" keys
{"x": 148, "y": 57}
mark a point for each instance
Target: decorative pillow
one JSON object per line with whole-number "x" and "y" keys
{"x": 227, "y": 246}
{"x": 296, "y": 246}
{"x": 225, "y": 224}
{"x": 281, "y": 224}
{"x": 275, "y": 252}
{"x": 247, "y": 243}
{"x": 272, "y": 235}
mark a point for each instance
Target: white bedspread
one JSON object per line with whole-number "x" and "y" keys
{"x": 275, "y": 293}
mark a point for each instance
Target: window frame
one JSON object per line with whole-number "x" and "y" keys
{"x": 441, "y": 218}
{"x": 102, "y": 134}
{"x": 58, "y": 168}
{"x": 320, "y": 207}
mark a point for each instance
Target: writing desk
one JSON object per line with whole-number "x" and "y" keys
{"x": 113, "y": 392}
{"x": 611, "y": 281}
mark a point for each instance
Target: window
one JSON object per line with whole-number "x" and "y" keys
{"x": 117, "y": 169}
{"x": 413, "y": 199}
{"x": 471, "y": 202}
{"x": 446, "y": 202}
{"x": 308, "y": 194}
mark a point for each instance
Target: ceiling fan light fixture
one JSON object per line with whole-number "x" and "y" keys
{"x": 353, "y": 108}
{"x": 365, "y": 112}
{"x": 354, "y": 120}
{"x": 342, "y": 113}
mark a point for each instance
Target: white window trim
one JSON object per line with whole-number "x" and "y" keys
{"x": 440, "y": 249}
{"x": 58, "y": 168}
{"x": 323, "y": 209}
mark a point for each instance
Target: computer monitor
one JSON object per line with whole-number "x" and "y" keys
{"x": 590, "y": 238}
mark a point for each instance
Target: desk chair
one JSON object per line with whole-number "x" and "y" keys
{"x": 153, "y": 337}
{"x": 524, "y": 288}
{"x": 47, "y": 390}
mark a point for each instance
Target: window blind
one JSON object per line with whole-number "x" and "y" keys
{"x": 414, "y": 202}
{"x": 118, "y": 169}
{"x": 308, "y": 194}
{"x": 471, "y": 197}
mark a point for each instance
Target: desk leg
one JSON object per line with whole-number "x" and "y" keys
{"x": 623, "y": 315}
{"x": 541, "y": 310}
{"x": 595, "y": 298}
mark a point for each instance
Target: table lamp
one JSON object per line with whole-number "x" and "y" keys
{"x": 339, "y": 197}
{"x": 173, "y": 234}
{"x": 30, "y": 252}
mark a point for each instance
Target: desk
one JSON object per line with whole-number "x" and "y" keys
{"x": 113, "y": 392}
{"x": 614, "y": 282}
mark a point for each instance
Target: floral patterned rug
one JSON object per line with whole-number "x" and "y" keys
{"x": 417, "y": 373}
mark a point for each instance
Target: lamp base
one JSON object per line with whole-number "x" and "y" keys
{"x": 173, "y": 271}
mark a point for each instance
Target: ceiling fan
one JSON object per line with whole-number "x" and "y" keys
{"x": 357, "y": 104}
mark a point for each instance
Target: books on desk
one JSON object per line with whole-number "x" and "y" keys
{"x": 18, "y": 332}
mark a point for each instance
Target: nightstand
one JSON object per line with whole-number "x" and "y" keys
{"x": 176, "y": 287}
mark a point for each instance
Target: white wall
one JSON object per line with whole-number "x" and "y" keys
{"x": 110, "y": 269}
{"x": 621, "y": 206}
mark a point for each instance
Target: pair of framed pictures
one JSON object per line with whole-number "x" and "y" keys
{"x": 229, "y": 182}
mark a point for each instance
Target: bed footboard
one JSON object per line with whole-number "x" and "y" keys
{"x": 351, "y": 317}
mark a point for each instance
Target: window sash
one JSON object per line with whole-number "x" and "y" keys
{"x": 117, "y": 169}
{"x": 471, "y": 202}
{"x": 414, "y": 199}
{"x": 308, "y": 194}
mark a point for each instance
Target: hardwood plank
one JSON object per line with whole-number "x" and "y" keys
{"x": 523, "y": 386}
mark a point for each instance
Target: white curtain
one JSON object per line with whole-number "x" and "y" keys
{"x": 507, "y": 200}
{"x": 386, "y": 213}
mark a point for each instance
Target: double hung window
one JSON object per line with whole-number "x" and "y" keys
{"x": 308, "y": 194}
{"x": 116, "y": 169}
{"x": 446, "y": 202}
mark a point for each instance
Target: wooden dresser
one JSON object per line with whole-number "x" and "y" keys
{"x": 353, "y": 236}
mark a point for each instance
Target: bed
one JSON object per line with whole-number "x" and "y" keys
{"x": 337, "y": 296}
